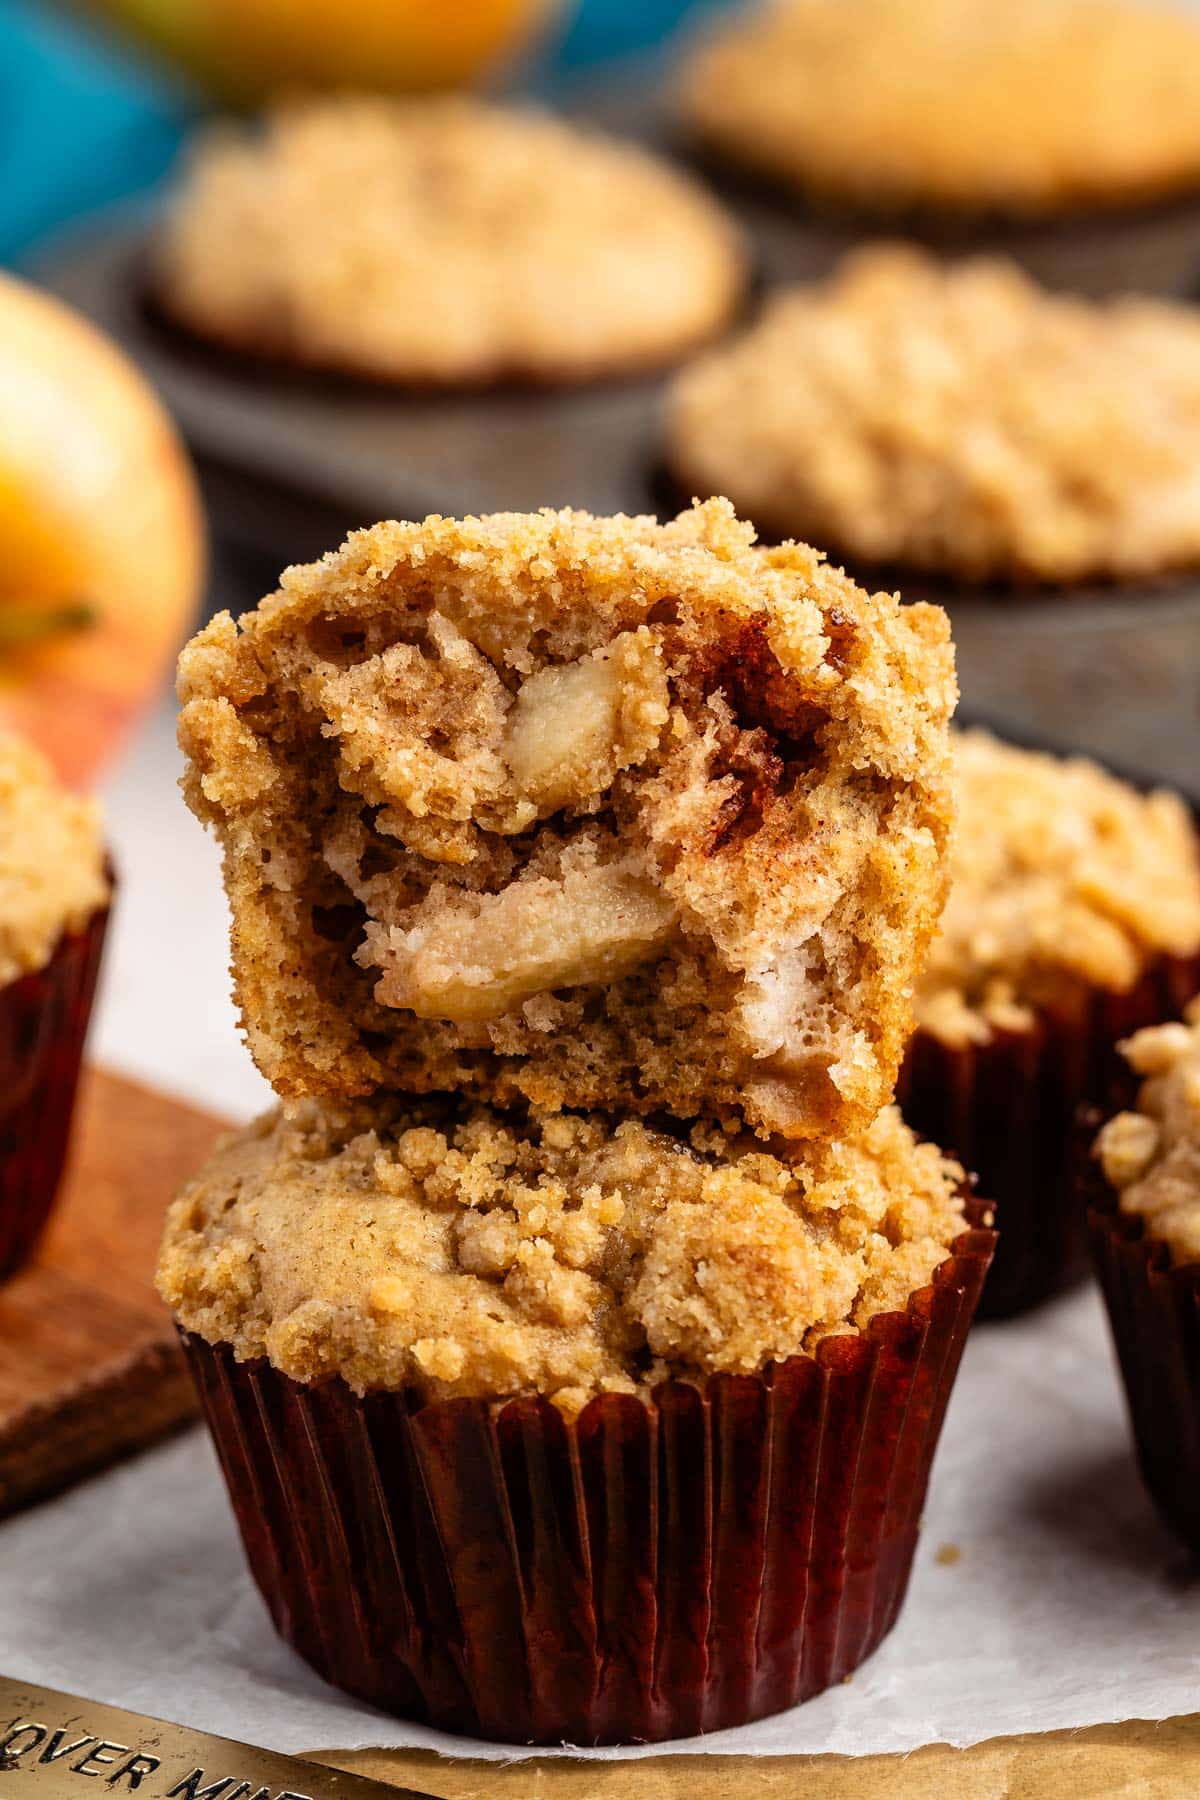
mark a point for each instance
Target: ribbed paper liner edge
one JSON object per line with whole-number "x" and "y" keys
{"x": 655, "y": 1568}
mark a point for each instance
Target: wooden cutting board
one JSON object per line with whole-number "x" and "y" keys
{"x": 89, "y": 1367}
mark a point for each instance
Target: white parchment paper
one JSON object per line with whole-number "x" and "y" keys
{"x": 1067, "y": 1605}
{"x": 1056, "y": 1600}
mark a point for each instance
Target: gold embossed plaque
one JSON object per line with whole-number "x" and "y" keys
{"x": 58, "y": 1747}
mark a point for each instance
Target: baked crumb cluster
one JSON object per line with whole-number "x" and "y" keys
{"x": 1151, "y": 1155}
{"x": 584, "y": 812}
{"x": 1062, "y": 877}
{"x": 444, "y": 240}
{"x": 448, "y": 1247}
{"x": 1018, "y": 107}
{"x": 956, "y": 419}
{"x": 52, "y": 864}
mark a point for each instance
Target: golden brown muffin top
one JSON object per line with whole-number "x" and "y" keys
{"x": 1061, "y": 876}
{"x": 1151, "y": 1154}
{"x": 959, "y": 420}
{"x": 444, "y": 240}
{"x": 597, "y": 812}
{"x": 979, "y": 106}
{"x": 52, "y": 864}
{"x": 466, "y": 1252}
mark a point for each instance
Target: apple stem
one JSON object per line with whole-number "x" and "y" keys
{"x": 24, "y": 625}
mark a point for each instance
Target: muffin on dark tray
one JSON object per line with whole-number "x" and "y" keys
{"x": 1065, "y": 133}
{"x": 444, "y": 243}
{"x": 957, "y": 427}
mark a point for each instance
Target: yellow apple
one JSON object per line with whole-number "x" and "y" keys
{"x": 245, "y": 50}
{"x": 102, "y": 544}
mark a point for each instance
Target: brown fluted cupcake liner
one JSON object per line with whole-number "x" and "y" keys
{"x": 1008, "y": 1109}
{"x": 1154, "y": 1312}
{"x": 652, "y": 1569}
{"x": 43, "y": 1023}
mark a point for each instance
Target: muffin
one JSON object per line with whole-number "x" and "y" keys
{"x": 443, "y": 242}
{"x": 577, "y": 1336}
{"x": 1066, "y": 132}
{"x": 54, "y": 894}
{"x": 560, "y": 1428}
{"x": 957, "y": 427}
{"x": 1073, "y": 918}
{"x": 581, "y": 812}
{"x": 1145, "y": 1232}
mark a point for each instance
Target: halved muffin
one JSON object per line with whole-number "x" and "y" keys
{"x": 591, "y": 812}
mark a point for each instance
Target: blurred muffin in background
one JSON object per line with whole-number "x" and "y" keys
{"x": 54, "y": 894}
{"x": 956, "y": 423}
{"x": 1073, "y": 918}
{"x": 444, "y": 242}
{"x": 1065, "y": 133}
{"x": 1012, "y": 107}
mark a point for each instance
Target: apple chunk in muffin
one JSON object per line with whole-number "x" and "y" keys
{"x": 589, "y": 812}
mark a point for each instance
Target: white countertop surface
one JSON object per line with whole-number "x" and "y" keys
{"x": 164, "y": 1012}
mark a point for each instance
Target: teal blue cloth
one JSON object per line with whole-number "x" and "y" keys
{"x": 83, "y": 124}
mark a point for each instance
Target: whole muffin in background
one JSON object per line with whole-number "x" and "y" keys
{"x": 54, "y": 895}
{"x": 1145, "y": 1232}
{"x": 444, "y": 241}
{"x": 957, "y": 422}
{"x": 1025, "y": 108}
{"x": 1073, "y": 918}
{"x": 519, "y": 1413}
{"x": 584, "y": 812}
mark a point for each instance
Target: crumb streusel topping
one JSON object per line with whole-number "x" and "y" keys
{"x": 957, "y": 420}
{"x": 1151, "y": 1154}
{"x": 1019, "y": 107}
{"x": 444, "y": 240}
{"x": 52, "y": 863}
{"x": 471, "y": 1253}
{"x": 1062, "y": 876}
{"x": 594, "y": 812}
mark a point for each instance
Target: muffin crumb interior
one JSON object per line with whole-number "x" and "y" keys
{"x": 584, "y": 812}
